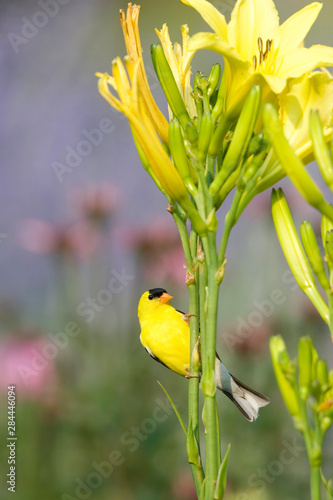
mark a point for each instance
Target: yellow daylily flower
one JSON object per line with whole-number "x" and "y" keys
{"x": 310, "y": 92}
{"x": 302, "y": 95}
{"x": 131, "y": 103}
{"x": 130, "y": 27}
{"x": 179, "y": 59}
{"x": 256, "y": 49}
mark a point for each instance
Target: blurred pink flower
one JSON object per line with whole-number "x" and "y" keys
{"x": 249, "y": 340}
{"x": 80, "y": 239}
{"x": 95, "y": 203}
{"x": 183, "y": 487}
{"x": 159, "y": 249}
{"x": 26, "y": 363}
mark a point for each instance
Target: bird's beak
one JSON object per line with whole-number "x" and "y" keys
{"x": 165, "y": 297}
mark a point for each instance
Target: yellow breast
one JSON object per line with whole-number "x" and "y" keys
{"x": 167, "y": 336}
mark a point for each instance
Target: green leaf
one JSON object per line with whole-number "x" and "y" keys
{"x": 328, "y": 485}
{"x": 222, "y": 476}
{"x": 174, "y": 407}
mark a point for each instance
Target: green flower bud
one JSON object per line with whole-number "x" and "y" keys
{"x": 312, "y": 251}
{"x": 205, "y": 134}
{"x": 240, "y": 140}
{"x": 171, "y": 91}
{"x": 178, "y": 153}
{"x": 278, "y": 348}
{"x": 292, "y": 164}
{"x": 294, "y": 253}
{"x": 322, "y": 373}
{"x": 316, "y": 389}
{"x": 213, "y": 79}
{"x": 320, "y": 148}
{"x": 325, "y": 423}
{"x": 305, "y": 366}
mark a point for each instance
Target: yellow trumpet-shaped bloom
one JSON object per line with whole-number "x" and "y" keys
{"x": 310, "y": 92}
{"x": 130, "y": 27}
{"x": 131, "y": 103}
{"x": 179, "y": 59}
{"x": 302, "y": 95}
{"x": 257, "y": 49}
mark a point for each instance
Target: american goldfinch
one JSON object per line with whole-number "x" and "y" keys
{"x": 165, "y": 334}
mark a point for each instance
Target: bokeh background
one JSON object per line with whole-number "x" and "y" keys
{"x": 83, "y": 233}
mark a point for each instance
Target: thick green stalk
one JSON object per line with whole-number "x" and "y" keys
{"x": 315, "y": 483}
{"x": 189, "y": 247}
{"x": 314, "y": 467}
{"x": 213, "y": 458}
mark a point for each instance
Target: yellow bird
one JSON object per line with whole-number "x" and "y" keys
{"x": 165, "y": 334}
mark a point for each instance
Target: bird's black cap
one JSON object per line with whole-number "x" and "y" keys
{"x": 156, "y": 293}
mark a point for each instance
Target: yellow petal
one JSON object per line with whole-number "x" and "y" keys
{"x": 294, "y": 30}
{"x": 307, "y": 93}
{"x": 130, "y": 27}
{"x": 213, "y": 42}
{"x": 211, "y": 15}
{"x": 301, "y": 61}
{"x": 250, "y": 20}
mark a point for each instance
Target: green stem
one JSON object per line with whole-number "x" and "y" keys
{"x": 229, "y": 222}
{"x": 315, "y": 481}
{"x": 213, "y": 458}
{"x": 189, "y": 247}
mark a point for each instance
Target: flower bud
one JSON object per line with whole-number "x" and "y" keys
{"x": 278, "y": 348}
{"x": 205, "y": 134}
{"x": 320, "y": 148}
{"x": 240, "y": 140}
{"x": 294, "y": 253}
{"x": 292, "y": 164}
{"x": 171, "y": 91}
{"x": 305, "y": 366}
{"x": 312, "y": 251}
{"x": 321, "y": 372}
{"x": 213, "y": 79}
{"x": 178, "y": 153}
{"x": 325, "y": 424}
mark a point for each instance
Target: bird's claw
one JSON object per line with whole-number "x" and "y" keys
{"x": 188, "y": 375}
{"x": 186, "y": 317}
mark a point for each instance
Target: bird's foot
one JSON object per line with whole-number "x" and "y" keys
{"x": 188, "y": 375}
{"x": 186, "y": 317}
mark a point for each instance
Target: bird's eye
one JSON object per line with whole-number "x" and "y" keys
{"x": 150, "y": 297}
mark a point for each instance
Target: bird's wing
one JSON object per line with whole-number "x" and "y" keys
{"x": 155, "y": 357}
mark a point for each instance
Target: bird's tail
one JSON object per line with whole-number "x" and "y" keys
{"x": 247, "y": 400}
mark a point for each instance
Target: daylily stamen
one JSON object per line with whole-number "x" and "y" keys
{"x": 262, "y": 56}
{"x": 260, "y": 44}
